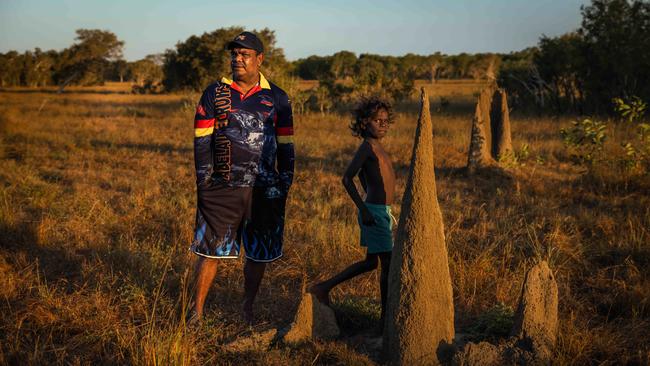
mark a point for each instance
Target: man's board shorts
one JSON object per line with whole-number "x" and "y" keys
{"x": 220, "y": 215}
{"x": 262, "y": 234}
{"x": 378, "y": 238}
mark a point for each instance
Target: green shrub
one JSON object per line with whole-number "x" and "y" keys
{"x": 630, "y": 111}
{"x": 586, "y": 139}
{"x": 495, "y": 323}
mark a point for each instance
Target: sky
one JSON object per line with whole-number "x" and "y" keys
{"x": 302, "y": 28}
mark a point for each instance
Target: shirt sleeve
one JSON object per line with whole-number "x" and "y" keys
{"x": 203, "y": 127}
{"x": 284, "y": 135}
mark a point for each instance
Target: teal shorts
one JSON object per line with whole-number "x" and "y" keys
{"x": 377, "y": 238}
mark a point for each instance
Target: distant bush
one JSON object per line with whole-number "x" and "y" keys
{"x": 586, "y": 140}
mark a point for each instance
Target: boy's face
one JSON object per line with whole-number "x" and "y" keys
{"x": 377, "y": 126}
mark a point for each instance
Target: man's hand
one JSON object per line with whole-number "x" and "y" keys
{"x": 367, "y": 218}
{"x": 273, "y": 192}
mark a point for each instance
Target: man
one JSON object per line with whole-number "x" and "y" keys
{"x": 243, "y": 151}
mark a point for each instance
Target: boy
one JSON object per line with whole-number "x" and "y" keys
{"x": 373, "y": 166}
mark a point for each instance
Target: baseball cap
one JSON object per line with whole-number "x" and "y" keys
{"x": 246, "y": 40}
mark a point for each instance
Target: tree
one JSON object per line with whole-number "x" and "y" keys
{"x": 201, "y": 60}
{"x": 606, "y": 58}
{"x": 146, "y": 71}
{"x": 86, "y": 61}
{"x": 323, "y": 98}
{"x": 561, "y": 63}
{"x": 11, "y": 65}
{"x": 520, "y": 77}
{"x": 342, "y": 64}
{"x": 617, "y": 38}
{"x": 147, "y": 74}
{"x": 118, "y": 70}
{"x": 314, "y": 68}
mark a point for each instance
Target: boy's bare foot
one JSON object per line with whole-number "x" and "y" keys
{"x": 321, "y": 294}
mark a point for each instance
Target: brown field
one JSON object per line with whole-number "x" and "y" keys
{"x": 97, "y": 206}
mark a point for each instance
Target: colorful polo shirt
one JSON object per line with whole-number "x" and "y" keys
{"x": 244, "y": 139}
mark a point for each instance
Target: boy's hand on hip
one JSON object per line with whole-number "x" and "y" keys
{"x": 367, "y": 218}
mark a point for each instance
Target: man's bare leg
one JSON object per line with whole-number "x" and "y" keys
{"x": 253, "y": 273}
{"x": 322, "y": 290}
{"x": 206, "y": 270}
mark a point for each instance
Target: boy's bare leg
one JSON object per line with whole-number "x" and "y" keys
{"x": 383, "y": 284}
{"x": 206, "y": 270}
{"x": 253, "y": 273}
{"x": 322, "y": 290}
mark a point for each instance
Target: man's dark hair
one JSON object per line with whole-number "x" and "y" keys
{"x": 366, "y": 109}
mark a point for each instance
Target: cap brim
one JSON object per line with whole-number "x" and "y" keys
{"x": 235, "y": 44}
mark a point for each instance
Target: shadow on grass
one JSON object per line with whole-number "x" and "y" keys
{"x": 55, "y": 263}
{"x": 64, "y": 92}
{"x": 71, "y": 266}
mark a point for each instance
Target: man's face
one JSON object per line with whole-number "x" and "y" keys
{"x": 245, "y": 63}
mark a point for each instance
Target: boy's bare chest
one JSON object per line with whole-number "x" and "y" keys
{"x": 383, "y": 162}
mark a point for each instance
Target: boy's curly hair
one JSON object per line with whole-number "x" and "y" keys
{"x": 368, "y": 108}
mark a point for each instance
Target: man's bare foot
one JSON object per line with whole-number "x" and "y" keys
{"x": 193, "y": 320}
{"x": 321, "y": 294}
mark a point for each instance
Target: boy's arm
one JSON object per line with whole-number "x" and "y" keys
{"x": 353, "y": 169}
{"x": 203, "y": 128}
{"x": 285, "y": 153}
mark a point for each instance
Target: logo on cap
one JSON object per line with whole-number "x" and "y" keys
{"x": 240, "y": 37}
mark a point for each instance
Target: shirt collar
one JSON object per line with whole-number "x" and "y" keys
{"x": 264, "y": 84}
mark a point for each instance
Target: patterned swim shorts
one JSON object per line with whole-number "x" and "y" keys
{"x": 220, "y": 216}
{"x": 263, "y": 233}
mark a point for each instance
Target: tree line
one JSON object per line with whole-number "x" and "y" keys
{"x": 94, "y": 58}
{"x": 581, "y": 71}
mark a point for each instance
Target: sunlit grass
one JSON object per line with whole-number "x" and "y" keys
{"x": 97, "y": 206}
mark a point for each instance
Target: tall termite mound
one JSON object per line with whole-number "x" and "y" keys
{"x": 490, "y": 139}
{"x": 420, "y": 309}
{"x": 500, "y": 125}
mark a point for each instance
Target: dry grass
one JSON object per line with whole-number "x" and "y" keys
{"x": 97, "y": 206}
